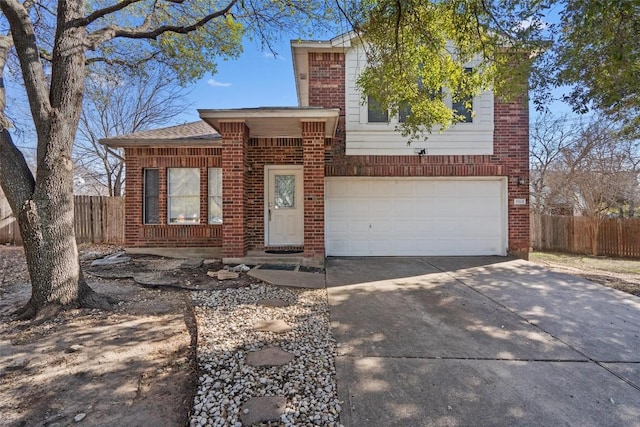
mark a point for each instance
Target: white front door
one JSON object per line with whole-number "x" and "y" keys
{"x": 284, "y": 206}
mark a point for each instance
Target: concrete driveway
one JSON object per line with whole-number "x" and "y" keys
{"x": 481, "y": 341}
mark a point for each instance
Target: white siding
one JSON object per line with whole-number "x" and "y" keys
{"x": 364, "y": 138}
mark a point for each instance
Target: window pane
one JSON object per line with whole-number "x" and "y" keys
{"x": 150, "y": 190}
{"x": 460, "y": 108}
{"x": 184, "y": 181}
{"x": 285, "y": 190}
{"x": 184, "y": 210}
{"x": 374, "y": 114}
{"x": 215, "y": 196}
{"x": 405, "y": 110}
{"x": 183, "y": 187}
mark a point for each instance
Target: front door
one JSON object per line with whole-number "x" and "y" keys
{"x": 284, "y": 206}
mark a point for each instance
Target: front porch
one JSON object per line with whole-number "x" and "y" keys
{"x": 273, "y": 182}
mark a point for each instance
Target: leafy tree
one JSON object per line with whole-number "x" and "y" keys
{"x": 597, "y": 56}
{"x": 419, "y": 52}
{"x": 119, "y": 104}
{"x": 53, "y": 42}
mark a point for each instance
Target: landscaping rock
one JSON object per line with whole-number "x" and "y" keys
{"x": 272, "y": 302}
{"x": 241, "y": 268}
{"x": 223, "y": 274}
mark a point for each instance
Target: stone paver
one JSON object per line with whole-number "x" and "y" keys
{"x": 155, "y": 279}
{"x": 273, "y": 302}
{"x": 192, "y": 263}
{"x": 117, "y": 258}
{"x": 262, "y": 409}
{"x": 277, "y": 326}
{"x": 270, "y": 356}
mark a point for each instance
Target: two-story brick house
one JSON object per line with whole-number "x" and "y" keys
{"x": 331, "y": 177}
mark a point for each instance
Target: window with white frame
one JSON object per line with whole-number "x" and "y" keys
{"x": 463, "y": 106}
{"x": 215, "y": 195}
{"x": 374, "y": 113}
{"x": 183, "y": 195}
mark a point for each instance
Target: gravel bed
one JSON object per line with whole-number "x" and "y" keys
{"x": 225, "y": 337}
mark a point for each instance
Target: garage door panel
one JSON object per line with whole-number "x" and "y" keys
{"x": 381, "y": 208}
{"x": 340, "y": 207}
{"x": 422, "y": 189}
{"x": 333, "y": 227}
{"x": 442, "y": 207}
{"x": 424, "y": 216}
{"x": 359, "y": 187}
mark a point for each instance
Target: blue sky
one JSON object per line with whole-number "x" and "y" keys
{"x": 256, "y": 79}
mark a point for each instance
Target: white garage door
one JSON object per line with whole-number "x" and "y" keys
{"x": 425, "y": 216}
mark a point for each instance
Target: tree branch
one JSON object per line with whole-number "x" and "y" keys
{"x": 115, "y": 61}
{"x": 15, "y": 176}
{"x": 113, "y": 31}
{"x": 100, "y": 13}
{"x": 24, "y": 39}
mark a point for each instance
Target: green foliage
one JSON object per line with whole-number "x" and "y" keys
{"x": 598, "y": 56}
{"x": 419, "y": 53}
{"x": 188, "y": 40}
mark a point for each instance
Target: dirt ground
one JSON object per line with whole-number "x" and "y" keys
{"x": 620, "y": 274}
{"x": 132, "y": 366}
{"x": 135, "y": 365}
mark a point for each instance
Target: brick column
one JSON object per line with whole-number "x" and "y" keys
{"x": 313, "y": 135}
{"x": 511, "y": 143}
{"x": 235, "y": 140}
{"x": 133, "y": 199}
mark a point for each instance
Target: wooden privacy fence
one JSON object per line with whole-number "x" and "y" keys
{"x": 98, "y": 219}
{"x": 617, "y": 237}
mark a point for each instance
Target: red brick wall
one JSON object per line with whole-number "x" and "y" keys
{"x": 235, "y": 165}
{"x": 313, "y": 137}
{"x": 138, "y": 234}
{"x": 510, "y": 158}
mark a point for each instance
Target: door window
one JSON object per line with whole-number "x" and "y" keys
{"x": 285, "y": 192}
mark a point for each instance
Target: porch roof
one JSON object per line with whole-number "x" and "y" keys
{"x": 274, "y": 122}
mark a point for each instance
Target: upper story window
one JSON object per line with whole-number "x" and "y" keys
{"x": 461, "y": 107}
{"x": 183, "y": 195}
{"x": 464, "y": 106}
{"x": 404, "y": 112}
{"x": 374, "y": 113}
{"x": 215, "y": 195}
{"x": 151, "y": 191}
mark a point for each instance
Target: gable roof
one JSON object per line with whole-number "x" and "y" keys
{"x": 194, "y": 133}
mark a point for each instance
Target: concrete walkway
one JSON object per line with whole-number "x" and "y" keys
{"x": 482, "y": 341}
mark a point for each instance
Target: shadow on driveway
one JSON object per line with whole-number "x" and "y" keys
{"x": 481, "y": 341}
